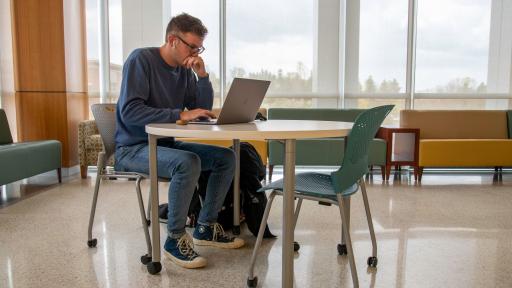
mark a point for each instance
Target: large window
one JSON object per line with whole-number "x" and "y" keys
{"x": 208, "y": 12}
{"x": 423, "y": 54}
{"x": 453, "y": 46}
{"x": 275, "y": 45}
{"x": 92, "y": 47}
{"x": 382, "y": 46}
{"x": 382, "y": 56}
{"x": 114, "y": 47}
{"x": 461, "y": 55}
{"x": 115, "y": 33}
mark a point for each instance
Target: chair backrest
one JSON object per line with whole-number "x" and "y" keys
{"x": 105, "y": 117}
{"x": 355, "y": 160}
{"x": 5, "y": 133}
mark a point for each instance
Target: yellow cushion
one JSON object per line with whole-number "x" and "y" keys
{"x": 260, "y": 145}
{"x": 465, "y": 153}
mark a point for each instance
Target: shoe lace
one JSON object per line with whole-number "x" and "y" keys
{"x": 218, "y": 233}
{"x": 186, "y": 246}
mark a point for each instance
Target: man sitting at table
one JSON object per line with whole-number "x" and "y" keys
{"x": 158, "y": 84}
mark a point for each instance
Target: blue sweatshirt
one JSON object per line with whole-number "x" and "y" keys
{"x": 154, "y": 92}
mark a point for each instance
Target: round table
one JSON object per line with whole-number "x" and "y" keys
{"x": 285, "y": 130}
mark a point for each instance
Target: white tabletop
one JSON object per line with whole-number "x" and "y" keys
{"x": 257, "y": 130}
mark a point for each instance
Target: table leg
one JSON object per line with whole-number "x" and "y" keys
{"x": 154, "y": 267}
{"x": 236, "y": 189}
{"x": 288, "y": 213}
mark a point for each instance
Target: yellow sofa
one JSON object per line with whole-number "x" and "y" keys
{"x": 259, "y": 145}
{"x": 461, "y": 138}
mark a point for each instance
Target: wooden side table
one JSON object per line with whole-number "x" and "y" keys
{"x": 402, "y": 147}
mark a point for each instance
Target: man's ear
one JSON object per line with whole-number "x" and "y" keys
{"x": 171, "y": 41}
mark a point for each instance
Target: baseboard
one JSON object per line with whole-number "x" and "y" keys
{"x": 69, "y": 171}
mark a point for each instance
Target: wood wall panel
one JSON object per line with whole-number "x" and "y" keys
{"x": 41, "y": 115}
{"x": 44, "y": 116}
{"x": 49, "y": 55}
{"x": 39, "y": 45}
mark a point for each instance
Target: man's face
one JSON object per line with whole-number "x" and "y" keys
{"x": 186, "y": 45}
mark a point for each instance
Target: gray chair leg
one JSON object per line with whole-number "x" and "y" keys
{"x": 297, "y": 210}
{"x": 350, "y": 252}
{"x": 370, "y": 222}
{"x": 261, "y": 231}
{"x": 101, "y": 165}
{"x": 342, "y": 248}
{"x": 296, "y": 245}
{"x": 143, "y": 215}
{"x": 148, "y": 215}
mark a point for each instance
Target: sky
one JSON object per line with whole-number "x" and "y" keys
{"x": 452, "y": 41}
{"x": 453, "y": 37}
{"x": 275, "y": 39}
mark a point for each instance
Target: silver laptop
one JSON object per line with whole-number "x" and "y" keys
{"x": 242, "y": 102}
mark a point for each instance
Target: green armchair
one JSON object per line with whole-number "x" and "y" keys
{"x": 26, "y": 159}
{"x": 325, "y": 151}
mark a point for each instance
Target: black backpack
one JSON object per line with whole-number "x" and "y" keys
{"x": 252, "y": 172}
{"x": 252, "y": 203}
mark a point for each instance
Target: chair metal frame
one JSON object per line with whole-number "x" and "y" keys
{"x": 104, "y": 115}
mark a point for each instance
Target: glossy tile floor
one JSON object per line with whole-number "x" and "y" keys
{"x": 453, "y": 230}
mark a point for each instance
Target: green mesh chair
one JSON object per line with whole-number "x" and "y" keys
{"x": 335, "y": 188}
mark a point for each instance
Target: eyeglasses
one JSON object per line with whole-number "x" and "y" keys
{"x": 194, "y": 49}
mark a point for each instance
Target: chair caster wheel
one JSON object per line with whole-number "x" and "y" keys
{"x": 92, "y": 243}
{"x": 252, "y": 282}
{"x": 342, "y": 249}
{"x": 236, "y": 230}
{"x": 148, "y": 222}
{"x": 296, "y": 246}
{"x": 145, "y": 259}
{"x": 154, "y": 267}
{"x": 372, "y": 262}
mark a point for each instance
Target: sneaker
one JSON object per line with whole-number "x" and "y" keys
{"x": 181, "y": 251}
{"x": 215, "y": 236}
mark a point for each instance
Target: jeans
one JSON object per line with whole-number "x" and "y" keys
{"x": 182, "y": 163}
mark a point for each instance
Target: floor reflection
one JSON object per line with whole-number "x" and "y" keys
{"x": 453, "y": 230}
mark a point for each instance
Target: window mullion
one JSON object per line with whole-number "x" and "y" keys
{"x": 411, "y": 54}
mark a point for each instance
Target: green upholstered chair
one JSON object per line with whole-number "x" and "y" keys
{"x": 26, "y": 159}
{"x": 336, "y": 187}
{"x": 325, "y": 151}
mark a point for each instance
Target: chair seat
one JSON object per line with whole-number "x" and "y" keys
{"x": 312, "y": 184}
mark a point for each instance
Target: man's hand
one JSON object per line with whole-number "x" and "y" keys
{"x": 197, "y": 64}
{"x": 196, "y": 113}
